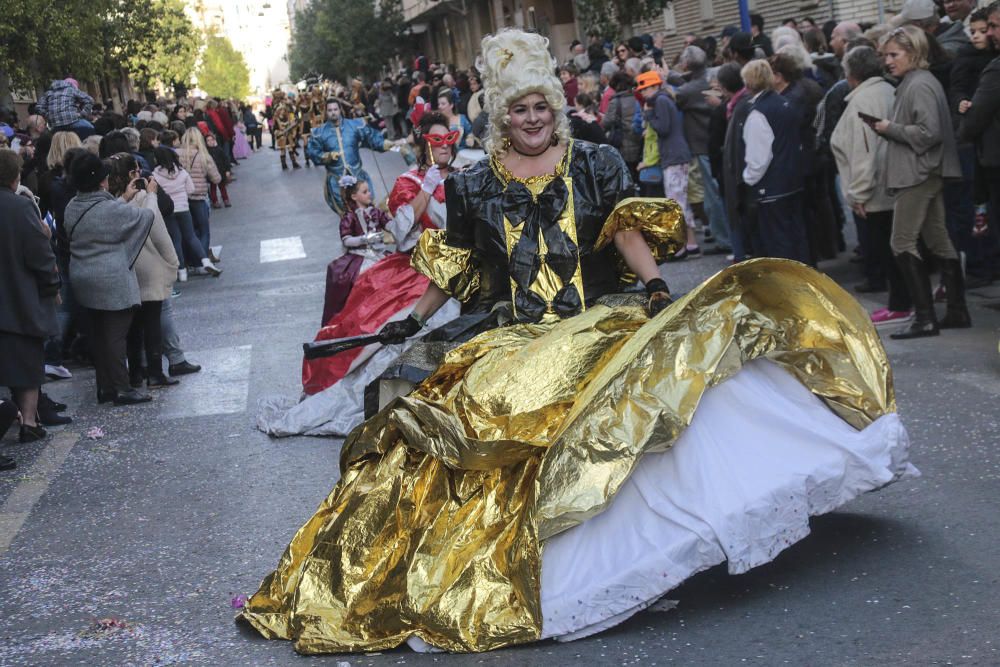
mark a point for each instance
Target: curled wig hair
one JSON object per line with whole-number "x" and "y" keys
{"x": 513, "y": 64}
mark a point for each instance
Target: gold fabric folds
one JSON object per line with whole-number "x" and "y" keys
{"x": 447, "y": 267}
{"x": 660, "y": 220}
{"x": 447, "y": 496}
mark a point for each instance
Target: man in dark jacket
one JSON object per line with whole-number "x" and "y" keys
{"x": 697, "y": 115}
{"x": 774, "y": 166}
{"x": 981, "y": 125}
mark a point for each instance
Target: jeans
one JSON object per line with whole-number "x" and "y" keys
{"x": 199, "y": 214}
{"x": 959, "y": 207}
{"x": 255, "y": 134}
{"x": 189, "y": 249}
{"x": 715, "y": 209}
{"x": 170, "y": 340}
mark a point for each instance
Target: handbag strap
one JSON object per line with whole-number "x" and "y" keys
{"x": 69, "y": 231}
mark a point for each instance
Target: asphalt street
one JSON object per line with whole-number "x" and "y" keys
{"x": 128, "y": 548}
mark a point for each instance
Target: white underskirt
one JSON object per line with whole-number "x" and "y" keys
{"x": 760, "y": 457}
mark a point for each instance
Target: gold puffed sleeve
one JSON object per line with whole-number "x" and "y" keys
{"x": 660, "y": 220}
{"x": 446, "y": 266}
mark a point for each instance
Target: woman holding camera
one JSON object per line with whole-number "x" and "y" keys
{"x": 106, "y": 236}
{"x": 156, "y": 269}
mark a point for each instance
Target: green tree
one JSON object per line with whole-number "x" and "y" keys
{"x": 223, "y": 71}
{"x": 341, "y": 38}
{"x": 40, "y": 41}
{"x": 614, "y": 19}
{"x": 154, "y": 41}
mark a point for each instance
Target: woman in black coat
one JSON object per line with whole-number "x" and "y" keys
{"x": 27, "y": 301}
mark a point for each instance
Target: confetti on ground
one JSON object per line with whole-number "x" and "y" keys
{"x": 238, "y": 601}
{"x": 95, "y": 433}
{"x": 105, "y": 627}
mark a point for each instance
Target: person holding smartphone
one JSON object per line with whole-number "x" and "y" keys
{"x": 920, "y": 155}
{"x": 860, "y": 155}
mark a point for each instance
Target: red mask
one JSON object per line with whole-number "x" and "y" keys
{"x": 449, "y": 139}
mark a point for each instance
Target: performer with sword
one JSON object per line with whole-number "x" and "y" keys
{"x": 337, "y": 144}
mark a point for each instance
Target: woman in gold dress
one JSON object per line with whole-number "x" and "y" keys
{"x": 562, "y": 472}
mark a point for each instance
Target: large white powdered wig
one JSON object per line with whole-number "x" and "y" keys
{"x": 513, "y": 64}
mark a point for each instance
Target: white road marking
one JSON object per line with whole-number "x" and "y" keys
{"x": 280, "y": 250}
{"x": 22, "y": 499}
{"x": 222, "y": 387}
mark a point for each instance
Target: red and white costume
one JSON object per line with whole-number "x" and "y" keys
{"x": 334, "y": 386}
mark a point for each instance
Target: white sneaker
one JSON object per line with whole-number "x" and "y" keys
{"x": 182, "y": 275}
{"x": 57, "y": 372}
{"x": 215, "y": 253}
{"x": 210, "y": 268}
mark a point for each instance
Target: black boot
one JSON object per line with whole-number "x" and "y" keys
{"x": 919, "y": 284}
{"x": 284, "y": 162}
{"x": 957, "y": 315}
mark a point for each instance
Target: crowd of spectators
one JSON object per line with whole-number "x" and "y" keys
{"x": 103, "y": 212}
{"x": 770, "y": 142}
{"x": 773, "y": 142}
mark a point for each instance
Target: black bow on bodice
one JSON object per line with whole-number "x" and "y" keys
{"x": 540, "y": 215}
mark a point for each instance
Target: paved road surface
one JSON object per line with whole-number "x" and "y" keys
{"x": 183, "y": 504}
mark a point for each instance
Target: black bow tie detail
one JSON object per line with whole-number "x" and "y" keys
{"x": 531, "y": 307}
{"x": 540, "y": 216}
{"x": 519, "y": 205}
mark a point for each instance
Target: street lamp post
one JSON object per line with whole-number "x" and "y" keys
{"x": 745, "y": 15}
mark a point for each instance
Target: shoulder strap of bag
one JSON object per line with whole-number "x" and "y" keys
{"x": 69, "y": 231}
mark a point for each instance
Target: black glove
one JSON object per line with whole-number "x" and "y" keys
{"x": 659, "y": 296}
{"x": 397, "y": 332}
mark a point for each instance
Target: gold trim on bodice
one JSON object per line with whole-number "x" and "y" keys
{"x": 547, "y": 283}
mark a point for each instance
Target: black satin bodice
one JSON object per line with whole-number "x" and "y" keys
{"x": 478, "y": 200}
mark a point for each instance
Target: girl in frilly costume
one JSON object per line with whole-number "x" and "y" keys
{"x": 361, "y": 231}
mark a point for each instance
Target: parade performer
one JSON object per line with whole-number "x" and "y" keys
{"x": 303, "y": 110}
{"x": 334, "y": 386}
{"x": 361, "y": 233}
{"x": 284, "y": 129}
{"x": 317, "y": 107}
{"x": 337, "y": 146}
{"x": 557, "y": 475}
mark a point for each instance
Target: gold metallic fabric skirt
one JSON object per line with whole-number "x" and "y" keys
{"x": 446, "y": 498}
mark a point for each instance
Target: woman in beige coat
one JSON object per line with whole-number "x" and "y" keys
{"x": 860, "y": 154}
{"x": 156, "y": 269}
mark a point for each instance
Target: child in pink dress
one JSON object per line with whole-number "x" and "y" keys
{"x": 241, "y": 147}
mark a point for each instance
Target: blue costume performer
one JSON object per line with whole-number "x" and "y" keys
{"x": 337, "y": 146}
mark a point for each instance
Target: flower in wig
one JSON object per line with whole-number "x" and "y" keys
{"x": 513, "y": 64}
{"x": 347, "y": 181}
